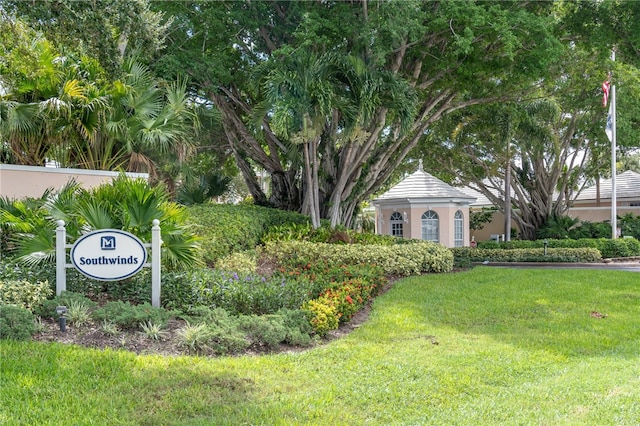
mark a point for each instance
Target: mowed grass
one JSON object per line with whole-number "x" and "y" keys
{"x": 484, "y": 347}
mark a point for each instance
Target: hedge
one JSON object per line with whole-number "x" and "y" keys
{"x": 465, "y": 255}
{"x": 402, "y": 259}
{"x": 622, "y": 247}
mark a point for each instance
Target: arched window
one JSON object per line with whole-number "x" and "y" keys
{"x": 430, "y": 226}
{"x": 396, "y": 224}
{"x": 458, "y": 229}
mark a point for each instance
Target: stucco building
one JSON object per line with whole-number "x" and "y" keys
{"x": 593, "y": 204}
{"x": 426, "y": 208}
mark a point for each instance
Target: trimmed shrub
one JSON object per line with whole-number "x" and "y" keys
{"x": 24, "y": 294}
{"x": 227, "y": 229}
{"x": 16, "y": 323}
{"x": 401, "y": 259}
{"x": 621, "y": 247}
{"x": 461, "y": 257}
{"x": 326, "y": 234}
{"x": 528, "y": 255}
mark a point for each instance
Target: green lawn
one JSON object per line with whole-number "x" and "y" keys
{"x": 487, "y": 346}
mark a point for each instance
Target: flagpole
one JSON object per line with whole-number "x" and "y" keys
{"x": 614, "y": 201}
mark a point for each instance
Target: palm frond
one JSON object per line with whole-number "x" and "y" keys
{"x": 37, "y": 247}
{"x": 97, "y": 214}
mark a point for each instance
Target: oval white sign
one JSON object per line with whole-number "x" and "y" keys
{"x": 108, "y": 255}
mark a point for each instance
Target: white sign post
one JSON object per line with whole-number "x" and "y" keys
{"x": 109, "y": 255}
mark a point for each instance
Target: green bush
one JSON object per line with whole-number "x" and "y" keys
{"x": 400, "y": 259}
{"x": 461, "y": 257}
{"x": 236, "y": 293}
{"x": 630, "y": 225}
{"x": 325, "y": 234}
{"x": 16, "y": 323}
{"x": 323, "y": 273}
{"x": 135, "y": 289}
{"x": 227, "y": 229}
{"x": 66, "y": 298}
{"x": 227, "y": 340}
{"x": 224, "y": 334}
{"x": 128, "y": 316}
{"x": 621, "y": 247}
{"x": 265, "y": 330}
{"x": 121, "y": 203}
{"x": 241, "y": 263}
{"x": 571, "y": 228}
{"x": 24, "y": 294}
{"x": 298, "y": 326}
{"x": 528, "y": 255}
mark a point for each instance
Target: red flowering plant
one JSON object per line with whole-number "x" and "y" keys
{"x": 349, "y": 297}
{"x": 346, "y": 288}
{"x": 328, "y": 273}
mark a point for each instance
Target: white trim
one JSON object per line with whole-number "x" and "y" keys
{"x": 41, "y": 169}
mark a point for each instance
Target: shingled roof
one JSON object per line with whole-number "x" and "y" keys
{"x": 422, "y": 185}
{"x": 627, "y": 186}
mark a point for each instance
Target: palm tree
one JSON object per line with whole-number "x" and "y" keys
{"x": 323, "y": 103}
{"x": 150, "y": 119}
{"x": 299, "y": 92}
{"x": 68, "y": 112}
{"x": 125, "y": 203}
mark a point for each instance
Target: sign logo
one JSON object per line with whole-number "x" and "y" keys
{"x": 108, "y": 255}
{"x": 108, "y": 243}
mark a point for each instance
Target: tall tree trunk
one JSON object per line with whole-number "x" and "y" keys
{"x": 507, "y": 199}
{"x": 343, "y": 169}
{"x": 311, "y": 197}
{"x": 315, "y": 184}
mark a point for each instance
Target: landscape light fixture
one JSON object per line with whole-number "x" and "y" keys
{"x": 62, "y": 320}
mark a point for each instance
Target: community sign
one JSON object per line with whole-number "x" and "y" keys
{"x": 108, "y": 255}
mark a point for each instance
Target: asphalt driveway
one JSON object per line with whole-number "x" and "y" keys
{"x": 631, "y": 266}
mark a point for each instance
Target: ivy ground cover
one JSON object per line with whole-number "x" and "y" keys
{"x": 486, "y": 346}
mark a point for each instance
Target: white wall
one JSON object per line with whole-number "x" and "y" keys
{"x": 18, "y": 182}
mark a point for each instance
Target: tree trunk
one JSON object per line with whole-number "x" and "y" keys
{"x": 285, "y": 194}
{"x": 251, "y": 180}
{"x": 507, "y": 199}
{"x": 311, "y": 197}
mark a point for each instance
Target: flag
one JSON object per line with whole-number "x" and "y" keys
{"x": 608, "y": 129}
{"x": 605, "y": 89}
